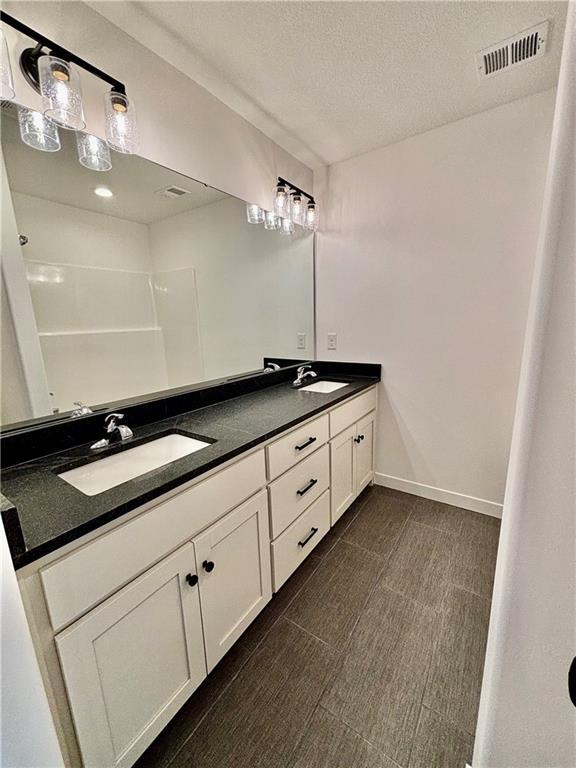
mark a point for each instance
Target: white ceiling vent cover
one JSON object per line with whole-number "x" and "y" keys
{"x": 512, "y": 52}
{"x": 173, "y": 191}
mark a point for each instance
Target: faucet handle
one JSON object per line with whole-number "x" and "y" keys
{"x": 303, "y": 368}
{"x": 110, "y": 421}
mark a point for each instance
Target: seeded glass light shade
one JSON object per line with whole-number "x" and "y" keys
{"x": 61, "y": 92}
{"x": 93, "y": 153}
{"x": 271, "y": 221}
{"x": 287, "y": 227}
{"x": 121, "y": 126}
{"x": 6, "y": 82}
{"x": 254, "y": 214}
{"x": 297, "y": 208}
{"x": 311, "y": 220}
{"x": 37, "y": 131}
{"x": 281, "y": 201}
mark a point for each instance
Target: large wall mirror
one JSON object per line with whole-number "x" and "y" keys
{"x": 162, "y": 284}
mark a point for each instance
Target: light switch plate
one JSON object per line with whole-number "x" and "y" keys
{"x": 332, "y": 340}
{"x": 301, "y": 341}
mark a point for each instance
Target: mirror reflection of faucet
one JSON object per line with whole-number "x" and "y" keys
{"x": 117, "y": 432}
{"x": 303, "y": 373}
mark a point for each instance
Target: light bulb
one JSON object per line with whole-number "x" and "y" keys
{"x": 121, "y": 127}
{"x": 311, "y": 220}
{"x": 37, "y": 131}
{"x": 271, "y": 221}
{"x": 287, "y": 227}
{"x": 254, "y": 214}
{"x": 281, "y": 201}
{"x": 93, "y": 153}
{"x": 7, "y": 92}
{"x": 297, "y": 208}
{"x": 61, "y": 92}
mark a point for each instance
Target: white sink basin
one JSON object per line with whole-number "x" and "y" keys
{"x": 325, "y": 387}
{"x": 106, "y": 473}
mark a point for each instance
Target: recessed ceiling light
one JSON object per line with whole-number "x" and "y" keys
{"x": 103, "y": 192}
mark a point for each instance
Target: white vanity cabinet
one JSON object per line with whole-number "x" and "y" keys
{"x": 131, "y": 663}
{"x": 233, "y": 558}
{"x": 351, "y": 456}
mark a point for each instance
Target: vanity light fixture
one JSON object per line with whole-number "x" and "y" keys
{"x": 286, "y": 227}
{"x": 311, "y": 217}
{"x": 7, "y": 92}
{"x": 302, "y": 209}
{"x": 37, "y": 131}
{"x": 254, "y": 214}
{"x": 297, "y": 208}
{"x": 103, "y": 192}
{"x": 61, "y": 92}
{"x": 271, "y": 221}
{"x": 51, "y": 71}
{"x": 93, "y": 153}
{"x": 282, "y": 200}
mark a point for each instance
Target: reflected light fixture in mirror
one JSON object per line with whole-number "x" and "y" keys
{"x": 121, "y": 128}
{"x": 271, "y": 221}
{"x": 93, "y": 153}
{"x": 7, "y": 92}
{"x": 287, "y": 227}
{"x": 61, "y": 92}
{"x": 103, "y": 192}
{"x": 37, "y": 131}
{"x": 254, "y": 214}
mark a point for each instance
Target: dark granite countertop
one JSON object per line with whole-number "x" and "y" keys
{"x": 41, "y": 512}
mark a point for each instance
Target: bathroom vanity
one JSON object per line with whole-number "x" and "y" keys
{"x": 135, "y": 593}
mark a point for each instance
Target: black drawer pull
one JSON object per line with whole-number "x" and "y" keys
{"x": 306, "y": 488}
{"x": 208, "y": 566}
{"x": 305, "y": 445}
{"x": 305, "y": 541}
{"x": 192, "y": 579}
{"x": 572, "y": 681}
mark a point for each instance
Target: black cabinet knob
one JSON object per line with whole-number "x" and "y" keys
{"x": 572, "y": 681}
{"x": 192, "y": 579}
{"x": 208, "y": 566}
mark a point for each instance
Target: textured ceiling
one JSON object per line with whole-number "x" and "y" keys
{"x": 330, "y": 80}
{"x": 58, "y": 176}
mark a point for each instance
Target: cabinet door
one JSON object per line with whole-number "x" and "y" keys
{"x": 364, "y": 452}
{"x": 342, "y": 475}
{"x": 233, "y": 558}
{"x": 130, "y": 664}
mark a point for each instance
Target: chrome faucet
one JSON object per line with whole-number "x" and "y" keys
{"x": 81, "y": 410}
{"x": 302, "y": 374}
{"x": 117, "y": 432}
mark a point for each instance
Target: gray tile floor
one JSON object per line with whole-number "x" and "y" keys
{"x": 370, "y": 656}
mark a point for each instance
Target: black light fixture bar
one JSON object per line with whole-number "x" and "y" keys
{"x": 294, "y": 188}
{"x": 58, "y": 50}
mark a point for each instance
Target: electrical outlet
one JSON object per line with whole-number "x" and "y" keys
{"x": 301, "y": 341}
{"x": 332, "y": 339}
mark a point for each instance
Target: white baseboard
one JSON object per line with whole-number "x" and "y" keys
{"x": 439, "y": 494}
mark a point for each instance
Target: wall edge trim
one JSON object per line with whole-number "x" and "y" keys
{"x": 472, "y": 503}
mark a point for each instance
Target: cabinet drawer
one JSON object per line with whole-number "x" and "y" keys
{"x": 289, "y": 450}
{"x": 80, "y": 580}
{"x": 347, "y": 414}
{"x": 297, "y": 541}
{"x": 297, "y": 489}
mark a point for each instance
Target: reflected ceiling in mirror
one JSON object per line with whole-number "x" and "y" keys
{"x": 137, "y": 280}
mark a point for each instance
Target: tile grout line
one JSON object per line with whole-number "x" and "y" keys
{"x": 239, "y": 670}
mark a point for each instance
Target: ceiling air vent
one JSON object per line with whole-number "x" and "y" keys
{"x": 173, "y": 191}
{"x": 513, "y": 51}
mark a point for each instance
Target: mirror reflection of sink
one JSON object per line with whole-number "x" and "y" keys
{"x": 109, "y": 471}
{"x": 325, "y": 387}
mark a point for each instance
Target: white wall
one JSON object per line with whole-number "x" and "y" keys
{"x": 424, "y": 264}
{"x": 254, "y": 286}
{"x": 182, "y": 126}
{"x": 15, "y": 403}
